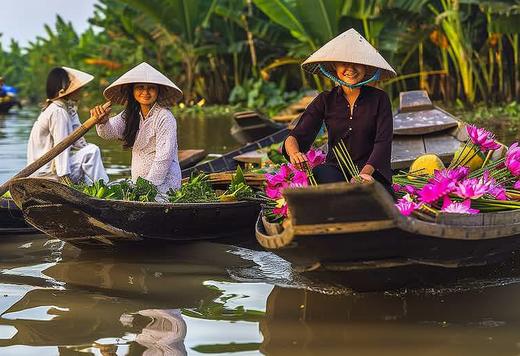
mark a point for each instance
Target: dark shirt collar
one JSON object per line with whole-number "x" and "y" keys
{"x": 338, "y": 91}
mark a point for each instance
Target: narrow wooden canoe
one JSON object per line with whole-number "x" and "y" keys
{"x": 358, "y": 235}
{"x": 11, "y": 218}
{"x": 227, "y": 161}
{"x": 250, "y": 126}
{"x": 69, "y": 215}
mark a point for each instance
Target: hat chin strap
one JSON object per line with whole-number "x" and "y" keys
{"x": 376, "y": 76}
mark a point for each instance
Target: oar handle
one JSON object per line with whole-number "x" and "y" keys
{"x": 53, "y": 152}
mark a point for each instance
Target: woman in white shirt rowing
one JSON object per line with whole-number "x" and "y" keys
{"x": 79, "y": 163}
{"x": 146, "y": 125}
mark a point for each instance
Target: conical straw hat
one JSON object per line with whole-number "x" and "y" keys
{"x": 77, "y": 79}
{"x": 143, "y": 73}
{"x": 350, "y": 47}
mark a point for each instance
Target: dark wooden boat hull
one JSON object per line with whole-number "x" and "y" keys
{"x": 359, "y": 238}
{"x": 250, "y": 127}
{"x": 13, "y": 222}
{"x": 64, "y": 213}
{"x": 227, "y": 161}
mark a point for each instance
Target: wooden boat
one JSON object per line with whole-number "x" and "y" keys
{"x": 69, "y": 215}
{"x": 227, "y": 161}
{"x": 11, "y": 218}
{"x": 359, "y": 237}
{"x": 250, "y": 126}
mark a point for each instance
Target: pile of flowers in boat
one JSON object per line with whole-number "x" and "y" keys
{"x": 479, "y": 179}
{"x": 473, "y": 183}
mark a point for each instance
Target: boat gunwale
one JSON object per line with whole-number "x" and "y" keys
{"x": 125, "y": 203}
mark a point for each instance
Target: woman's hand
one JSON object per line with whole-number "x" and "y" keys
{"x": 100, "y": 112}
{"x": 367, "y": 178}
{"x": 299, "y": 160}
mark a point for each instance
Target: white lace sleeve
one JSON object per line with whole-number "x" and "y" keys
{"x": 165, "y": 151}
{"x": 112, "y": 129}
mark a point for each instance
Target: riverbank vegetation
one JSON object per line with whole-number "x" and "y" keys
{"x": 247, "y": 52}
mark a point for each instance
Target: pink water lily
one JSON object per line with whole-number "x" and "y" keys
{"x": 407, "y": 206}
{"x": 315, "y": 157}
{"x": 517, "y": 185}
{"x": 452, "y": 174}
{"x": 279, "y": 177}
{"x": 273, "y": 192}
{"x": 409, "y": 189}
{"x": 434, "y": 190}
{"x": 473, "y": 188}
{"x": 513, "y": 159}
{"x": 498, "y": 192}
{"x": 483, "y": 138}
{"x": 299, "y": 179}
{"x": 464, "y": 207}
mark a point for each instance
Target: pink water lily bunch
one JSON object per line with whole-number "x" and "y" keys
{"x": 315, "y": 157}
{"x": 513, "y": 159}
{"x": 287, "y": 176}
{"x": 482, "y": 138}
{"x": 407, "y": 206}
{"x": 464, "y": 207}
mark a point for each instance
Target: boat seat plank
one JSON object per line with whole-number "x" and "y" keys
{"x": 405, "y": 149}
{"x": 188, "y": 158}
{"x": 423, "y": 122}
{"x": 443, "y": 146}
{"x": 414, "y": 100}
{"x": 254, "y": 157}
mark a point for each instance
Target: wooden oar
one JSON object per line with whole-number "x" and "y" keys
{"x": 53, "y": 152}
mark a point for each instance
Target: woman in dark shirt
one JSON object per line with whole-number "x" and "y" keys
{"x": 358, "y": 114}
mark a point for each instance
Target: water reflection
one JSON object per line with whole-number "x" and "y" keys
{"x": 478, "y": 322}
{"x": 130, "y": 302}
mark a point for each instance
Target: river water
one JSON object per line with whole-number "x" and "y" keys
{"x": 213, "y": 298}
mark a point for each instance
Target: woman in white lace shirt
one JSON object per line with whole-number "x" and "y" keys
{"x": 79, "y": 163}
{"x": 145, "y": 125}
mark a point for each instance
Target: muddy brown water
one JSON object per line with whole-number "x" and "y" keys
{"x": 215, "y": 298}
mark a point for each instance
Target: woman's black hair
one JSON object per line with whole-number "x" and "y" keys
{"x": 57, "y": 80}
{"x": 131, "y": 116}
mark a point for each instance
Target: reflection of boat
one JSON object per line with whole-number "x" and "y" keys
{"x": 103, "y": 297}
{"x": 475, "y": 322}
{"x": 69, "y": 215}
{"x": 250, "y": 126}
{"x": 11, "y": 218}
{"x": 359, "y": 235}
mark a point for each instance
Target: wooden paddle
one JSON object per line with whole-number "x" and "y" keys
{"x": 53, "y": 152}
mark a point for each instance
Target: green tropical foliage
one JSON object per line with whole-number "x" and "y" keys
{"x": 248, "y": 52}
